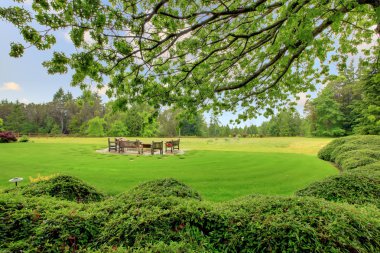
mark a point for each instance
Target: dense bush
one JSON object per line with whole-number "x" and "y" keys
{"x": 64, "y": 187}
{"x": 24, "y": 138}
{"x": 163, "y": 188}
{"x": 326, "y": 151}
{"x": 6, "y": 137}
{"x": 353, "y": 151}
{"x": 359, "y": 158}
{"x": 369, "y": 167}
{"x": 356, "y": 187}
{"x": 185, "y": 224}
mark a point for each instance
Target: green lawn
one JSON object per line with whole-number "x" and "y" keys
{"x": 219, "y": 169}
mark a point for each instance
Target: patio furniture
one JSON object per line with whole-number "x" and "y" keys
{"x": 145, "y": 146}
{"x": 112, "y": 145}
{"x": 172, "y": 145}
{"x": 157, "y": 146}
{"x": 125, "y": 145}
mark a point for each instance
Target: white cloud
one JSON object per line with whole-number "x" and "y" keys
{"x": 28, "y": 2}
{"x": 303, "y": 97}
{"x": 101, "y": 91}
{"x": 24, "y": 101}
{"x": 10, "y": 86}
{"x": 66, "y": 35}
{"x": 87, "y": 38}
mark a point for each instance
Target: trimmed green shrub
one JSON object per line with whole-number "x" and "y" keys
{"x": 355, "y": 158}
{"x": 46, "y": 224}
{"x": 369, "y": 167}
{"x": 163, "y": 188}
{"x": 64, "y": 187}
{"x": 328, "y": 152}
{"x": 24, "y": 138}
{"x": 325, "y": 152}
{"x": 357, "y": 187}
{"x": 342, "y": 149}
{"x": 353, "y": 151}
{"x": 281, "y": 224}
{"x": 176, "y": 224}
{"x": 359, "y": 158}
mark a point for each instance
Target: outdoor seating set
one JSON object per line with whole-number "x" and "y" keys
{"x": 121, "y": 145}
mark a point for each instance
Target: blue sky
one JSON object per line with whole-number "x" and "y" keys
{"x": 26, "y": 80}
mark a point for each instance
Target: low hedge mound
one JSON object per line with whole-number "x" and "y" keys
{"x": 163, "y": 188}
{"x": 63, "y": 187}
{"x": 369, "y": 167}
{"x": 357, "y": 187}
{"x": 359, "y": 159}
{"x": 352, "y": 151}
{"x": 177, "y": 224}
{"x": 326, "y": 151}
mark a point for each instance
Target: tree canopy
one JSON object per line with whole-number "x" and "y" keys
{"x": 220, "y": 55}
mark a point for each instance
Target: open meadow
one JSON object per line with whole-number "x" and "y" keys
{"x": 219, "y": 168}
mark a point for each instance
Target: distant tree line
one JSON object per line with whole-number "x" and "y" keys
{"x": 348, "y": 104}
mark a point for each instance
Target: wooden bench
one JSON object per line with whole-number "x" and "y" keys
{"x": 125, "y": 144}
{"x": 172, "y": 145}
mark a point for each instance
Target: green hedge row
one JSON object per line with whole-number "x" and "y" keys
{"x": 359, "y": 183}
{"x": 352, "y": 151}
{"x": 62, "y": 186}
{"x": 356, "y": 187}
{"x": 167, "y": 216}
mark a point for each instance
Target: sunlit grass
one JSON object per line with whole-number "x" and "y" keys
{"x": 219, "y": 169}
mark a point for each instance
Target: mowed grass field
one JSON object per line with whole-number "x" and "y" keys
{"x": 219, "y": 168}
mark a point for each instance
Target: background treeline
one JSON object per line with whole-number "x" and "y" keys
{"x": 348, "y": 104}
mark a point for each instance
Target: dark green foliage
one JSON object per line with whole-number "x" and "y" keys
{"x": 369, "y": 167}
{"x": 173, "y": 224}
{"x": 45, "y": 224}
{"x": 355, "y": 158}
{"x": 353, "y": 151}
{"x": 368, "y": 109}
{"x": 326, "y": 151}
{"x": 359, "y": 159}
{"x": 357, "y": 187}
{"x": 164, "y": 188}
{"x": 63, "y": 187}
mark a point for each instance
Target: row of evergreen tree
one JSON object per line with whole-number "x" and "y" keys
{"x": 349, "y": 103}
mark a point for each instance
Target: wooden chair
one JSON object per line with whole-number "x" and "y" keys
{"x": 157, "y": 146}
{"x": 172, "y": 145}
{"x": 112, "y": 145}
{"x": 145, "y": 146}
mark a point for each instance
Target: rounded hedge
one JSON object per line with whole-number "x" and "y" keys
{"x": 357, "y": 187}
{"x": 325, "y": 152}
{"x": 355, "y": 158}
{"x": 63, "y": 187}
{"x": 163, "y": 188}
{"x": 369, "y": 167}
{"x": 168, "y": 216}
{"x": 342, "y": 145}
{"x": 173, "y": 224}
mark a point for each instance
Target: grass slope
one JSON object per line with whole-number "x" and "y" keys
{"x": 234, "y": 168}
